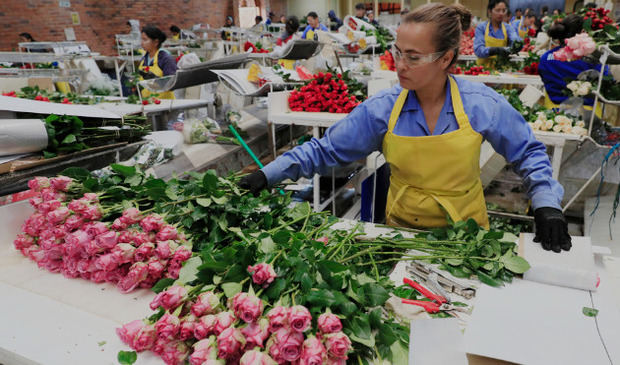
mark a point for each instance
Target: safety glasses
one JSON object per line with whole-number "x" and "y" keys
{"x": 415, "y": 60}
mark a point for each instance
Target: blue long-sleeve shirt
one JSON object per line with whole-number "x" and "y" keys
{"x": 165, "y": 61}
{"x": 554, "y": 74}
{"x": 363, "y": 130}
{"x": 515, "y": 25}
{"x": 308, "y": 28}
{"x": 480, "y": 48}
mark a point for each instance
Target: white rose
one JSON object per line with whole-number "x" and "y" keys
{"x": 580, "y": 131}
{"x": 537, "y": 125}
{"x": 548, "y": 125}
{"x": 558, "y": 128}
{"x": 567, "y": 129}
{"x": 573, "y": 85}
{"x": 581, "y": 124}
{"x": 583, "y": 90}
{"x": 562, "y": 120}
{"x": 542, "y": 116}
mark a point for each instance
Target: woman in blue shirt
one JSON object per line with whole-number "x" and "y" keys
{"x": 493, "y": 36}
{"x": 554, "y": 73}
{"x": 430, "y": 128}
{"x": 523, "y": 25}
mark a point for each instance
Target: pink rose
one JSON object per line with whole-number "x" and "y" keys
{"x": 91, "y": 197}
{"x": 118, "y": 225}
{"x": 79, "y": 239}
{"x": 205, "y": 326}
{"x": 141, "y": 238}
{"x": 336, "y": 361}
{"x": 313, "y": 352}
{"x": 165, "y": 249}
{"x": 278, "y": 318}
{"x": 168, "y": 326}
{"x": 49, "y": 206}
{"x": 152, "y": 222}
{"x": 96, "y": 228}
{"x": 131, "y": 216}
{"x": 167, "y": 232}
{"x": 174, "y": 269}
{"x": 137, "y": 273}
{"x": 48, "y": 194}
{"x": 329, "y": 323}
{"x": 186, "y": 331}
{"x": 299, "y": 318}
{"x": 129, "y": 331}
{"x": 144, "y": 252}
{"x": 73, "y": 222}
{"x": 106, "y": 240}
{"x": 39, "y": 183}
{"x": 204, "y": 350}
{"x": 224, "y": 320}
{"x": 107, "y": 262}
{"x": 229, "y": 343}
{"x": 182, "y": 254}
{"x": 92, "y": 213}
{"x": 35, "y": 201}
{"x": 98, "y": 276}
{"x": 206, "y": 303}
{"x": 61, "y": 183}
{"x": 262, "y": 274}
{"x": 77, "y": 206}
{"x": 256, "y": 358}
{"x": 247, "y": 307}
{"x": 59, "y": 215}
{"x": 256, "y": 333}
{"x": 145, "y": 339}
{"x": 156, "y": 267}
{"x": 124, "y": 252}
{"x": 338, "y": 344}
{"x": 323, "y": 239}
{"x": 125, "y": 236}
{"x": 169, "y": 299}
{"x": 175, "y": 353}
{"x": 23, "y": 241}
{"x": 285, "y": 345}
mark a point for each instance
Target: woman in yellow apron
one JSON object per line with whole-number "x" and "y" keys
{"x": 523, "y": 25}
{"x": 430, "y": 128}
{"x": 156, "y": 62}
{"x": 493, "y": 36}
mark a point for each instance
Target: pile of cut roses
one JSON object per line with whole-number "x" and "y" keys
{"x": 70, "y": 236}
{"x": 327, "y": 92}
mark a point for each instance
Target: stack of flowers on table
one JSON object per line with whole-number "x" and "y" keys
{"x": 73, "y": 238}
{"x": 577, "y": 47}
{"x": 195, "y": 326}
{"x": 558, "y": 123}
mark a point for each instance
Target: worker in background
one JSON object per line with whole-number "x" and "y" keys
{"x": 283, "y": 19}
{"x": 313, "y": 26}
{"x": 290, "y": 28}
{"x": 155, "y": 62}
{"x": 177, "y": 33}
{"x": 507, "y": 16}
{"x": 360, "y": 11}
{"x": 493, "y": 36}
{"x": 270, "y": 17}
{"x": 544, "y": 13}
{"x": 517, "y": 16}
{"x": 27, "y": 38}
{"x": 430, "y": 128}
{"x": 335, "y": 22}
{"x": 521, "y": 26}
{"x": 371, "y": 18}
{"x": 226, "y": 35}
{"x": 258, "y": 24}
{"x": 555, "y": 73}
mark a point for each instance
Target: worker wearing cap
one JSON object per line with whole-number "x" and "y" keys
{"x": 430, "y": 128}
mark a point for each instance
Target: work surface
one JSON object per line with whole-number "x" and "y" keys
{"x": 49, "y": 319}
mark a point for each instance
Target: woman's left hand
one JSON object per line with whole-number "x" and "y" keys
{"x": 552, "y": 229}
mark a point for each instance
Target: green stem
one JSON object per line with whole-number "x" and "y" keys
{"x": 276, "y": 257}
{"x": 339, "y": 245}
{"x": 374, "y": 266}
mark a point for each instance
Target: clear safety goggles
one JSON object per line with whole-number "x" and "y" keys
{"x": 415, "y": 60}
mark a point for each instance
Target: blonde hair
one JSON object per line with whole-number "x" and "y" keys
{"x": 450, "y": 22}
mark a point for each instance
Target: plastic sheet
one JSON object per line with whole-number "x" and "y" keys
{"x": 22, "y": 136}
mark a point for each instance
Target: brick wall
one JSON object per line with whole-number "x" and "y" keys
{"x": 100, "y": 20}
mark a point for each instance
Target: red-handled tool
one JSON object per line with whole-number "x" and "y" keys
{"x": 436, "y": 303}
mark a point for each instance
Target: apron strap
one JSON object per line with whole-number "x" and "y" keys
{"x": 398, "y": 106}
{"x": 486, "y": 31}
{"x": 457, "y": 104}
{"x": 504, "y": 31}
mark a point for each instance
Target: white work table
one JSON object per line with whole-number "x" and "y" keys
{"x": 49, "y": 319}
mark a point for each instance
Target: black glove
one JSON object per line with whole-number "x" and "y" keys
{"x": 551, "y": 229}
{"x": 499, "y": 51}
{"x": 254, "y": 182}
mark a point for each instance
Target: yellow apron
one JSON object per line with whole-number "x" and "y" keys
{"x": 157, "y": 72}
{"x": 522, "y": 33}
{"x": 310, "y": 35}
{"x": 434, "y": 175}
{"x": 176, "y": 37}
{"x": 492, "y": 42}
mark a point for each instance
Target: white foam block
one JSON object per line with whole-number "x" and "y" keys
{"x": 572, "y": 269}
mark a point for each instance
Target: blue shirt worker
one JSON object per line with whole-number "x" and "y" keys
{"x": 430, "y": 129}
{"x": 313, "y": 26}
{"x": 493, "y": 36}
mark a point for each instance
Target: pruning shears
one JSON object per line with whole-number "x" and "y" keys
{"x": 437, "y": 302}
